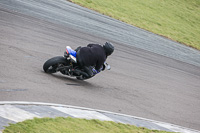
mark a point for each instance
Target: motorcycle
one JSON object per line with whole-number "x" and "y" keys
{"x": 67, "y": 65}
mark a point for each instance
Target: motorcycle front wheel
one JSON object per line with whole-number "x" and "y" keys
{"x": 51, "y": 65}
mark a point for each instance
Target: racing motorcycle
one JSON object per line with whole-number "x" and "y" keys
{"x": 67, "y": 65}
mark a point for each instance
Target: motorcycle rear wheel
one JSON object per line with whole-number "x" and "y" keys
{"x": 51, "y": 65}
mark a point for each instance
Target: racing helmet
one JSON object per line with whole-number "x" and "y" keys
{"x": 109, "y": 48}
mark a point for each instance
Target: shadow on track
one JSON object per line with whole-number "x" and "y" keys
{"x": 73, "y": 81}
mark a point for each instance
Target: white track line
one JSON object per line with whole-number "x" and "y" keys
{"x": 15, "y": 114}
{"x": 83, "y": 113}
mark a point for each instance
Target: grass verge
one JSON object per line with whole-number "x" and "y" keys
{"x": 73, "y": 125}
{"x": 178, "y": 20}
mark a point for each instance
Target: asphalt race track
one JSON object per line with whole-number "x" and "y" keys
{"x": 151, "y": 77}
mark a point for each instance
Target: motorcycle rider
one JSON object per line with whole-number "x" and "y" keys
{"x": 92, "y": 57}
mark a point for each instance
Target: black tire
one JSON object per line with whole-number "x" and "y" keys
{"x": 51, "y": 64}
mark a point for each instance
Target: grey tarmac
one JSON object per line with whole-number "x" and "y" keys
{"x": 151, "y": 77}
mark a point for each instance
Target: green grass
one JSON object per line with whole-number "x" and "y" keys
{"x": 73, "y": 125}
{"x": 178, "y": 20}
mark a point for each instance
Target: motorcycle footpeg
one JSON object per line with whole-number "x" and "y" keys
{"x": 79, "y": 72}
{"x": 80, "y": 77}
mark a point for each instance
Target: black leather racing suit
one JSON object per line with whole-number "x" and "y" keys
{"x": 92, "y": 55}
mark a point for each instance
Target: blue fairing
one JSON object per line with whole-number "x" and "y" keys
{"x": 71, "y": 52}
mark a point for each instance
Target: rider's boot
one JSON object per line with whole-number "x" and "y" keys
{"x": 71, "y": 51}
